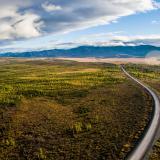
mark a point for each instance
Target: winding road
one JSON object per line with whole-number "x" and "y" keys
{"x": 144, "y": 146}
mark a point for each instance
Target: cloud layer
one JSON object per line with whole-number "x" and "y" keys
{"x": 25, "y": 19}
{"x": 113, "y": 39}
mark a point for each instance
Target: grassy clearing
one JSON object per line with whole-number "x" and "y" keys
{"x": 67, "y": 110}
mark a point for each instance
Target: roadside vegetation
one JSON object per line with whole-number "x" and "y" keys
{"x": 52, "y": 109}
{"x": 151, "y": 76}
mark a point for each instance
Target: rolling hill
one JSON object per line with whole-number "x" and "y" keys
{"x": 89, "y": 51}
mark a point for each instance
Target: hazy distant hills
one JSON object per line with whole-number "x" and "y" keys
{"x": 89, "y": 51}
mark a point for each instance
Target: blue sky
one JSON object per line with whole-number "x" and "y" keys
{"x": 46, "y": 24}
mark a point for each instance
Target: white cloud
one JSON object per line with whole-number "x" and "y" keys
{"x": 86, "y": 13}
{"x": 20, "y": 26}
{"x": 25, "y": 19}
{"x": 16, "y": 24}
{"x": 28, "y": 26}
{"x": 48, "y": 7}
{"x": 103, "y": 39}
{"x": 117, "y": 39}
{"x": 8, "y": 11}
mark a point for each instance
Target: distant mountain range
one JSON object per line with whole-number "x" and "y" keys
{"x": 89, "y": 51}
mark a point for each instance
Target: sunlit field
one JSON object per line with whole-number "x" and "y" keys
{"x": 53, "y": 109}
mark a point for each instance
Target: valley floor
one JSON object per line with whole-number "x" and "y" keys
{"x": 54, "y": 109}
{"x": 147, "y": 60}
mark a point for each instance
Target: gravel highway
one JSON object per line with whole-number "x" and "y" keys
{"x": 141, "y": 151}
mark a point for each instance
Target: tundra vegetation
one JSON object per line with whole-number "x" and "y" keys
{"x": 52, "y": 109}
{"x": 150, "y": 74}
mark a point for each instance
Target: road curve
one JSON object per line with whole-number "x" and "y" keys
{"x": 144, "y": 146}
